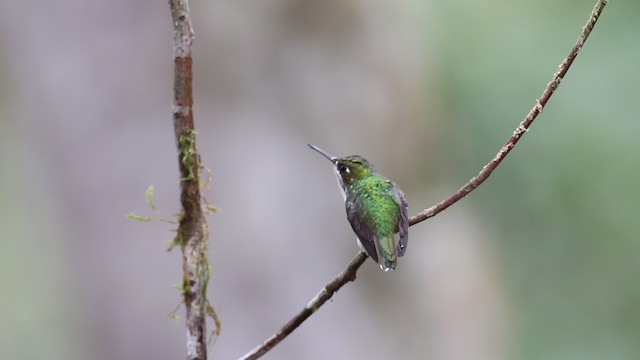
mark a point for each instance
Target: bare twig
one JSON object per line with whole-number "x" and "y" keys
{"x": 192, "y": 232}
{"x": 522, "y": 128}
{"x": 350, "y": 273}
{"x": 325, "y": 294}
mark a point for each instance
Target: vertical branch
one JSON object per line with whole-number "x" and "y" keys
{"x": 192, "y": 231}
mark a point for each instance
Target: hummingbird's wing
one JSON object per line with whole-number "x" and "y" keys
{"x": 360, "y": 227}
{"x": 403, "y": 223}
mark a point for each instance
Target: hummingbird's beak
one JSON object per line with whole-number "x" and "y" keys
{"x": 331, "y": 158}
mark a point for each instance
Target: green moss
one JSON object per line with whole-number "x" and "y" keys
{"x": 211, "y": 312}
{"x": 191, "y": 170}
{"x": 149, "y": 195}
{"x": 133, "y": 216}
{"x": 188, "y": 154}
{"x": 177, "y": 240}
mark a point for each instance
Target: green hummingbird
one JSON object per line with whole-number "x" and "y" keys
{"x": 376, "y": 208}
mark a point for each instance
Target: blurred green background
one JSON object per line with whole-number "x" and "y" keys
{"x": 541, "y": 262}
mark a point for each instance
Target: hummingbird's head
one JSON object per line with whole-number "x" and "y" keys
{"x": 349, "y": 169}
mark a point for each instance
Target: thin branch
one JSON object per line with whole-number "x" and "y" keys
{"x": 325, "y": 294}
{"x": 522, "y": 128}
{"x": 350, "y": 273}
{"x": 192, "y": 232}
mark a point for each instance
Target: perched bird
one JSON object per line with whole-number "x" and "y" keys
{"x": 376, "y": 208}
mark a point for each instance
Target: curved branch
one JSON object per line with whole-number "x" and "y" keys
{"x": 350, "y": 273}
{"x": 522, "y": 128}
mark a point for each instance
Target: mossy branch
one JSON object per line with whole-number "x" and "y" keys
{"x": 349, "y": 274}
{"x": 192, "y": 232}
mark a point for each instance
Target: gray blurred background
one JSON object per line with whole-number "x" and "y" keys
{"x": 541, "y": 262}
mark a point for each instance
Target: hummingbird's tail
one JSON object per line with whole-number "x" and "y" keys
{"x": 386, "y": 250}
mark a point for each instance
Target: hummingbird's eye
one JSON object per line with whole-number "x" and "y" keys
{"x": 343, "y": 169}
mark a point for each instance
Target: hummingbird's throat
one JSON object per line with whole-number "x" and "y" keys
{"x": 343, "y": 188}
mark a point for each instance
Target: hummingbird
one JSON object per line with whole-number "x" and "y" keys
{"x": 376, "y": 208}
